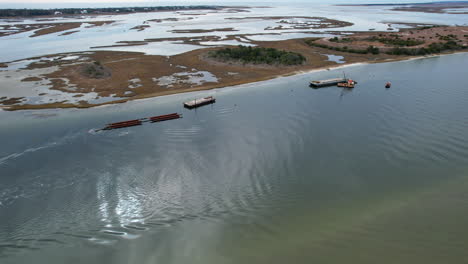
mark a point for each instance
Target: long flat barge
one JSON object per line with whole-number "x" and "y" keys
{"x": 139, "y": 122}
{"x": 329, "y": 82}
{"x": 164, "y": 117}
{"x": 200, "y": 102}
{"x": 123, "y": 124}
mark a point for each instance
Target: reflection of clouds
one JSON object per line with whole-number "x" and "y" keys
{"x": 156, "y": 190}
{"x": 101, "y": 191}
{"x": 117, "y": 199}
{"x": 129, "y": 207}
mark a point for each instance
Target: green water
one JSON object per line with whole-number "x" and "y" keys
{"x": 274, "y": 172}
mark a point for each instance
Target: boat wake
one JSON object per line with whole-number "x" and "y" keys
{"x": 13, "y": 156}
{"x": 29, "y": 150}
{"x": 94, "y": 131}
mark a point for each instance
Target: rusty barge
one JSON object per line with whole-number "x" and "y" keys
{"x": 139, "y": 122}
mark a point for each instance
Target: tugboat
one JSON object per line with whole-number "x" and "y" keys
{"x": 388, "y": 85}
{"x": 348, "y": 84}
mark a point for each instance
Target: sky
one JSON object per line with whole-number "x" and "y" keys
{"x": 218, "y": 1}
{"x": 107, "y": 3}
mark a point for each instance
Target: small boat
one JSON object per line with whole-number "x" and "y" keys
{"x": 348, "y": 84}
{"x": 199, "y": 102}
{"x": 388, "y": 85}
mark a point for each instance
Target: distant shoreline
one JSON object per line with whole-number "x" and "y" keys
{"x": 12, "y": 13}
{"x": 428, "y": 7}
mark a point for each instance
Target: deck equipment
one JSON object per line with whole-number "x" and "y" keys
{"x": 200, "y": 102}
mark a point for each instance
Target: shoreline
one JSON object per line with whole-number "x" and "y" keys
{"x": 89, "y": 79}
{"x": 213, "y": 87}
{"x": 92, "y": 13}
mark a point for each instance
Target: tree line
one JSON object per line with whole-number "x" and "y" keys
{"x": 72, "y": 11}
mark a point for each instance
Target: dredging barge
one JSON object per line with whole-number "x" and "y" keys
{"x": 199, "y": 102}
{"x": 329, "y": 82}
{"x": 348, "y": 84}
{"x": 139, "y": 122}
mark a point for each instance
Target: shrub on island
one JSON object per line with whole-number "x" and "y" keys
{"x": 397, "y": 41}
{"x": 258, "y": 55}
{"x": 450, "y": 45}
{"x": 95, "y": 70}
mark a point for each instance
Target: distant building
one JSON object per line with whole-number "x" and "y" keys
{"x": 57, "y": 13}
{"x": 84, "y": 11}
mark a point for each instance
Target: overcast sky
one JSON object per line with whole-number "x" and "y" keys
{"x": 101, "y": 3}
{"x": 195, "y": 1}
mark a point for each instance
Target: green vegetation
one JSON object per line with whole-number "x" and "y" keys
{"x": 341, "y": 40}
{"x": 432, "y": 48}
{"x": 373, "y": 50}
{"x": 95, "y": 70}
{"x": 427, "y": 27}
{"x": 397, "y": 41}
{"x": 72, "y": 11}
{"x": 370, "y": 49}
{"x": 258, "y": 55}
{"x": 448, "y": 37}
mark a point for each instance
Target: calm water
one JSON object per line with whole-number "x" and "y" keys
{"x": 273, "y": 172}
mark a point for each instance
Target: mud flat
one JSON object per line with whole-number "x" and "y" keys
{"x": 41, "y": 29}
{"x": 202, "y": 30}
{"x": 199, "y": 40}
{"x": 170, "y": 19}
{"x": 298, "y": 22}
{"x": 449, "y": 7}
{"x": 442, "y": 8}
{"x": 140, "y": 27}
